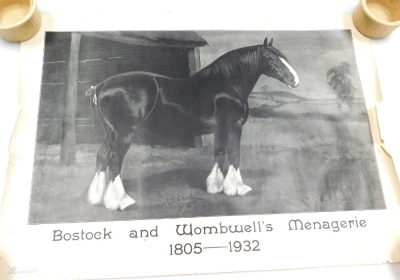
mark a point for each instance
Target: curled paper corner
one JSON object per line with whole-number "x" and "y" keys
{"x": 387, "y": 115}
{"x": 376, "y": 129}
{"x": 380, "y": 119}
{"x": 386, "y": 118}
{"x": 385, "y": 148}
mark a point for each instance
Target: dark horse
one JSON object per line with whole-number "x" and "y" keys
{"x": 213, "y": 100}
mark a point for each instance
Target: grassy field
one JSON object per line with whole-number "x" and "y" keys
{"x": 312, "y": 156}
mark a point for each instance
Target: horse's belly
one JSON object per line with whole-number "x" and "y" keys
{"x": 169, "y": 126}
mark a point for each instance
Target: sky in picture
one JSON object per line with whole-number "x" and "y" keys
{"x": 311, "y": 53}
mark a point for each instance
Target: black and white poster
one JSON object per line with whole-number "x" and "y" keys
{"x": 201, "y": 144}
{"x": 171, "y": 100}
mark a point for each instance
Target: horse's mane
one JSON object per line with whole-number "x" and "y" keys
{"x": 229, "y": 66}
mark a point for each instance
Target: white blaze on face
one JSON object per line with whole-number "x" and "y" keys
{"x": 296, "y": 78}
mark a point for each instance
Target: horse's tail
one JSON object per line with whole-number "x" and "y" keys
{"x": 92, "y": 94}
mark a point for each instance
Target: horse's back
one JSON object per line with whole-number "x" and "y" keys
{"x": 130, "y": 79}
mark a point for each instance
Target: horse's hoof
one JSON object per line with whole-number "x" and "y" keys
{"x": 215, "y": 180}
{"x": 111, "y": 199}
{"x": 215, "y": 188}
{"x": 243, "y": 189}
{"x": 96, "y": 189}
{"x": 127, "y": 202}
{"x": 230, "y": 190}
{"x": 132, "y": 207}
{"x": 232, "y": 181}
{"x": 116, "y": 197}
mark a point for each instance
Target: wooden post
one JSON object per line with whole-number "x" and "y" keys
{"x": 68, "y": 144}
{"x": 194, "y": 66}
{"x": 194, "y": 60}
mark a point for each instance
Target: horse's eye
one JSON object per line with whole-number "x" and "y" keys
{"x": 267, "y": 57}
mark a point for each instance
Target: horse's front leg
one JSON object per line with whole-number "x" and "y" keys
{"x": 115, "y": 197}
{"x": 233, "y": 183}
{"x": 216, "y": 178}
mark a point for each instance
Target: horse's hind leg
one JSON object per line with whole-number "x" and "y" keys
{"x": 115, "y": 196}
{"x": 98, "y": 184}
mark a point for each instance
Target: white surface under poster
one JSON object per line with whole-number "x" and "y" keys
{"x": 250, "y": 148}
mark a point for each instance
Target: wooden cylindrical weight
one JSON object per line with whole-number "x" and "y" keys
{"x": 20, "y": 20}
{"x": 377, "y": 18}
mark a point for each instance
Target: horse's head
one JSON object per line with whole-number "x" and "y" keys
{"x": 274, "y": 64}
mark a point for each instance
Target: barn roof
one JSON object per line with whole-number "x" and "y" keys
{"x": 159, "y": 38}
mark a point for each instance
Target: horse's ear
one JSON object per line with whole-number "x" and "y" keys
{"x": 266, "y": 42}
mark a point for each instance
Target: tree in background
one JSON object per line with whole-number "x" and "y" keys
{"x": 339, "y": 80}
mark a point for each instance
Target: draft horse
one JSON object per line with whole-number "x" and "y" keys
{"x": 213, "y": 100}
